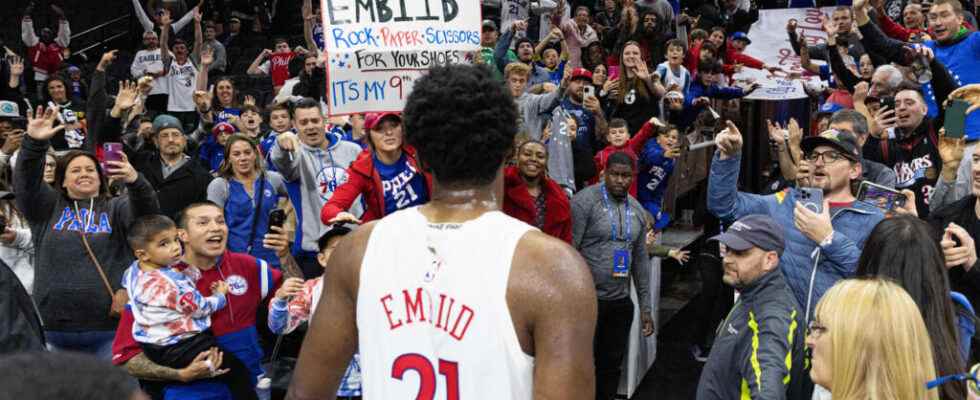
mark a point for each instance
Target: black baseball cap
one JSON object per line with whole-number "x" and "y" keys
{"x": 335, "y": 230}
{"x": 840, "y": 139}
{"x": 754, "y": 230}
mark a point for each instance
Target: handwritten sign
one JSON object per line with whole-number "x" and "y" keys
{"x": 770, "y": 43}
{"x": 376, "y": 49}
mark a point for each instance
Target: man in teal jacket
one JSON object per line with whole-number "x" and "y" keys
{"x": 821, "y": 248}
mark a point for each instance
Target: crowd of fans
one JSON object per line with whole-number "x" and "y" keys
{"x": 176, "y": 220}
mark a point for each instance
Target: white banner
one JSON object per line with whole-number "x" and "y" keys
{"x": 376, "y": 49}
{"x": 770, "y": 43}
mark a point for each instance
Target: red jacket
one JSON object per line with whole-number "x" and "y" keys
{"x": 731, "y": 57}
{"x": 365, "y": 181}
{"x": 632, "y": 148}
{"x": 896, "y": 31}
{"x": 519, "y": 204}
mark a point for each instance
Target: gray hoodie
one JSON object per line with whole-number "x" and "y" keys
{"x": 312, "y": 175}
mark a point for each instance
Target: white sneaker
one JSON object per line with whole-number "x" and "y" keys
{"x": 263, "y": 383}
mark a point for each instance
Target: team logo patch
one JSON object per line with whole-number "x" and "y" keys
{"x": 237, "y": 285}
{"x": 329, "y": 179}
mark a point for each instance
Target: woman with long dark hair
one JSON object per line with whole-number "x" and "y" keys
{"x": 903, "y": 249}
{"x": 248, "y": 193}
{"x": 639, "y": 90}
{"x": 80, "y": 237}
{"x": 531, "y": 196}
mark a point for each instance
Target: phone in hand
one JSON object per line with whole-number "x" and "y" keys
{"x": 812, "y": 199}
{"x": 111, "y": 151}
{"x": 613, "y": 72}
{"x": 589, "y": 91}
{"x": 883, "y": 197}
{"x": 887, "y": 101}
{"x": 277, "y": 217}
{"x": 956, "y": 118}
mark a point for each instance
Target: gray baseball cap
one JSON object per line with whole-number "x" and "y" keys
{"x": 755, "y": 230}
{"x": 164, "y": 121}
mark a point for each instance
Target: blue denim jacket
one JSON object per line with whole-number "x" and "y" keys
{"x": 834, "y": 262}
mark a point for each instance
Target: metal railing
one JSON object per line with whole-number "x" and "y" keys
{"x": 103, "y": 33}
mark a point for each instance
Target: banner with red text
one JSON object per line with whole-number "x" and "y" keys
{"x": 376, "y": 49}
{"x": 770, "y": 43}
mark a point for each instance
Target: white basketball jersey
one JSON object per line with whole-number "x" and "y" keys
{"x": 432, "y": 312}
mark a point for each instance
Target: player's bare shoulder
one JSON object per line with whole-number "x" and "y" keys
{"x": 345, "y": 262}
{"x": 548, "y": 278}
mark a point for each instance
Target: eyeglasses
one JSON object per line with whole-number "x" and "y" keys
{"x": 828, "y": 157}
{"x": 814, "y": 329}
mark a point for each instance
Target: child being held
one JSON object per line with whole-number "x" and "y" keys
{"x": 171, "y": 318}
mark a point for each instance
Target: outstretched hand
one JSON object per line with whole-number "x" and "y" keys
{"x": 41, "y": 125}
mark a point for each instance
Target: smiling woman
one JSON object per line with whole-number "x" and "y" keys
{"x": 81, "y": 237}
{"x": 248, "y": 193}
{"x": 531, "y": 196}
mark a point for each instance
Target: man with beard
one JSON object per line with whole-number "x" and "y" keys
{"x": 652, "y": 39}
{"x": 45, "y": 52}
{"x": 590, "y": 124}
{"x": 524, "y": 48}
{"x": 179, "y": 179}
{"x": 821, "y": 247}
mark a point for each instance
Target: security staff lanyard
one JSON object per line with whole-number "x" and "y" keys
{"x": 621, "y": 256}
{"x": 629, "y": 218}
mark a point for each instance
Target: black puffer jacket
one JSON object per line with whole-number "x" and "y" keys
{"x": 749, "y": 358}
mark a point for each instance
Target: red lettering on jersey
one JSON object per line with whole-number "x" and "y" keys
{"x": 458, "y": 335}
{"x": 384, "y": 303}
{"x": 414, "y": 307}
{"x": 442, "y": 300}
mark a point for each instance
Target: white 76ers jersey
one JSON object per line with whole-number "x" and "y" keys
{"x": 432, "y": 311}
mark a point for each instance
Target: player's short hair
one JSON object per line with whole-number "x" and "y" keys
{"x": 957, "y": 6}
{"x": 667, "y": 130}
{"x": 284, "y": 106}
{"x": 621, "y": 158}
{"x": 461, "y": 121}
{"x": 617, "y": 123}
{"x": 710, "y": 67}
{"x": 845, "y": 9}
{"x": 144, "y": 228}
{"x": 306, "y": 103}
{"x": 182, "y": 215}
{"x": 276, "y": 41}
{"x": 518, "y": 68}
{"x": 676, "y": 43}
{"x": 855, "y": 118}
{"x": 338, "y": 230}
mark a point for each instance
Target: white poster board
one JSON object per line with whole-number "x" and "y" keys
{"x": 770, "y": 43}
{"x": 376, "y": 49}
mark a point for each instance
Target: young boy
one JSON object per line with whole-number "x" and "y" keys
{"x": 619, "y": 140}
{"x": 171, "y": 318}
{"x": 250, "y": 122}
{"x": 656, "y": 165}
{"x": 295, "y": 302}
{"x": 550, "y": 58}
{"x": 279, "y": 122}
{"x": 673, "y": 73}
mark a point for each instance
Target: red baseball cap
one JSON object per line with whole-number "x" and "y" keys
{"x": 223, "y": 127}
{"x": 371, "y": 120}
{"x": 582, "y": 73}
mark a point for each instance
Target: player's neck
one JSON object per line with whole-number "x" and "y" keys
{"x": 461, "y": 204}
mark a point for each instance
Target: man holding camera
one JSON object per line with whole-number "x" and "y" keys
{"x": 825, "y": 226}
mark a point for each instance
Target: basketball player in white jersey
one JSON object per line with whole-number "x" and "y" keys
{"x": 453, "y": 299}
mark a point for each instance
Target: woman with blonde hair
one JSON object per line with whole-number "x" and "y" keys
{"x": 868, "y": 341}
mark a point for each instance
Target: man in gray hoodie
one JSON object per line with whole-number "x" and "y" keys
{"x": 315, "y": 165}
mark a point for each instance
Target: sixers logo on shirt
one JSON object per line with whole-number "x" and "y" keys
{"x": 328, "y": 179}
{"x": 237, "y": 285}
